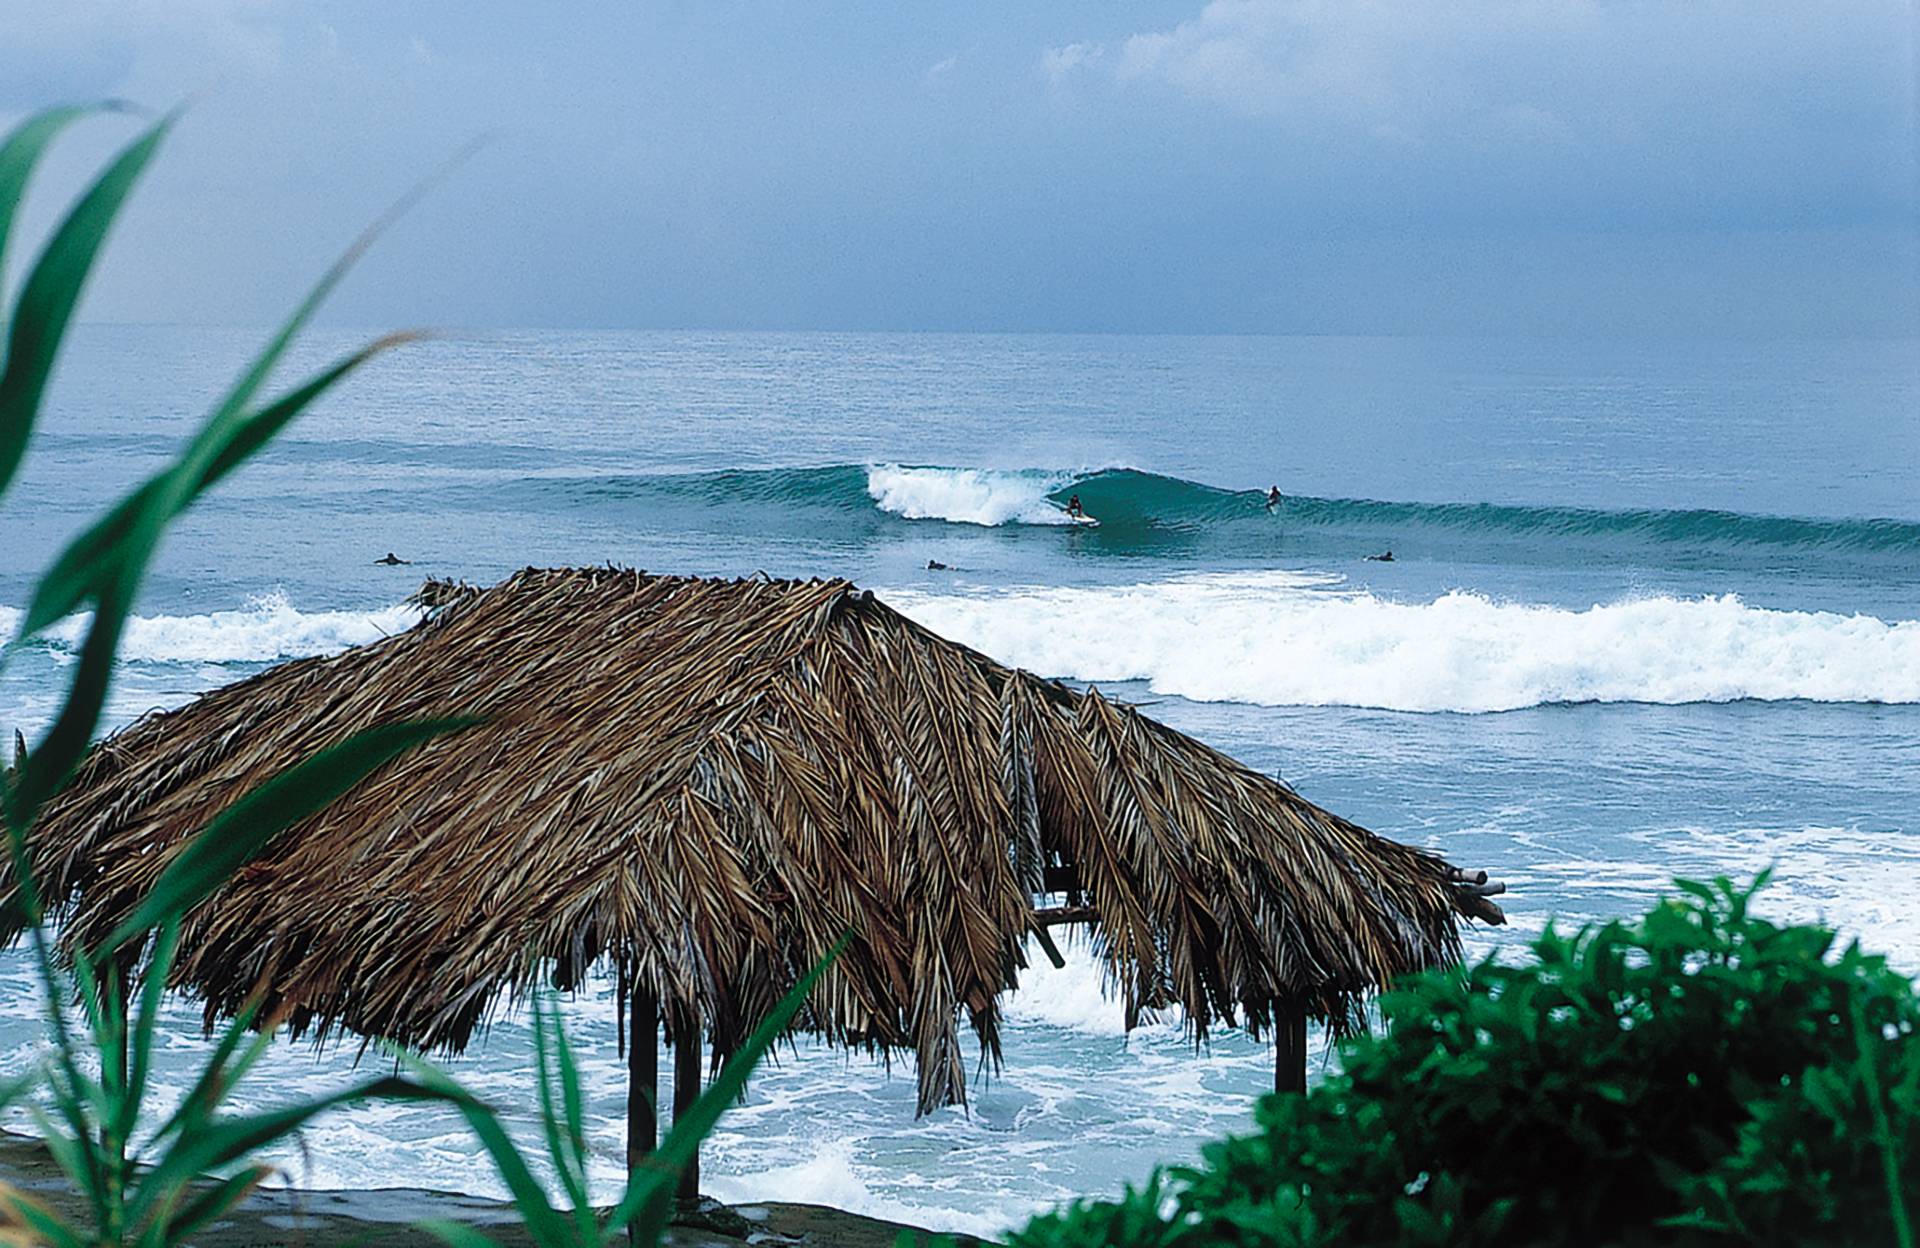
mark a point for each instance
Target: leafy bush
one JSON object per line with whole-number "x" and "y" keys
{"x": 1701, "y": 1075}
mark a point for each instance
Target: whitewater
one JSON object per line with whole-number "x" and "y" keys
{"x": 1272, "y": 639}
{"x": 1654, "y": 610}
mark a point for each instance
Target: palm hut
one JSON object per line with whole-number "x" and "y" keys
{"x": 703, "y": 784}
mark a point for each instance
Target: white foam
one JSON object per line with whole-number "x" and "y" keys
{"x": 1074, "y": 996}
{"x": 1276, "y": 639}
{"x": 966, "y": 495}
{"x": 831, "y": 1176}
{"x": 267, "y": 628}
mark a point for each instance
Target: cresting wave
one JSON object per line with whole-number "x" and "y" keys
{"x": 267, "y": 628}
{"x": 1133, "y": 505}
{"x": 1280, "y": 639}
{"x": 967, "y": 495}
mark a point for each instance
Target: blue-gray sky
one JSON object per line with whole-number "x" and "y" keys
{"x": 1292, "y": 166}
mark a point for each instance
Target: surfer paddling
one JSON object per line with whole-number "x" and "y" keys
{"x": 393, "y": 561}
{"x": 1385, "y": 556}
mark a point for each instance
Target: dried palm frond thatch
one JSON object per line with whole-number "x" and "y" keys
{"x": 707, "y": 782}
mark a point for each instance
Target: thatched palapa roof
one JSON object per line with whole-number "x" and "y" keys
{"x": 708, "y": 782}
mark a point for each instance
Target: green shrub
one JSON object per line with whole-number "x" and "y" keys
{"x": 1812, "y": 1163}
{"x": 1686, "y": 1078}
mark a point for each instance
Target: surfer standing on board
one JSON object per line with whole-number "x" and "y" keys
{"x": 1273, "y": 498}
{"x": 1074, "y": 509}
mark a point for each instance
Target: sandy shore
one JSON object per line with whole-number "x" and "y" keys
{"x": 304, "y": 1219}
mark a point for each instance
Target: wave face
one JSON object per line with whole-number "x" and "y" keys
{"x": 1283, "y": 639}
{"x": 1141, "y": 510}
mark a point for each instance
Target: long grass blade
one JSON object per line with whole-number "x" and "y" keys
{"x": 645, "y": 1203}
{"x": 244, "y": 829}
{"x": 455, "y": 1234}
{"x": 79, "y": 570}
{"x": 145, "y": 1024}
{"x": 544, "y": 1224}
{"x": 73, "y": 1153}
{"x": 222, "y": 1141}
{"x": 216, "y": 1077}
{"x": 549, "y": 1043}
{"x": 18, "y": 156}
{"x": 209, "y": 1205}
{"x": 575, "y": 1125}
{"x": 43, "y": 1226}
{"x": 52, "y": 289}
{"x": 66, "y": 743}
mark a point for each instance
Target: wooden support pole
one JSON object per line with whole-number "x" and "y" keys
{"x": 643, "y": 1076}
{"x": 686, "y": 1090}
{"x": 1290, "y": 1048}
{"x": 1046, "y": 943}
{"x": 643, "y": 1084}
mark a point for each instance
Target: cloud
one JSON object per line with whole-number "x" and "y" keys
{"x": 1518, "y": 64}
{"x": 1702, "y": 101}
{"x": 1058, "y": 63}
{"x": 81, "y": 49}
{"x": 940, "y": 69}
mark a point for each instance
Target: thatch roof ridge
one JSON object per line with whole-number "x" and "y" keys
{"x": 708, "y": 781}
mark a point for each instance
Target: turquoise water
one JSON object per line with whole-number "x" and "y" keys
{"x": 1654, "y": 609}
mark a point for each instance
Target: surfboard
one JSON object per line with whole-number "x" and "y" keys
{"x": 1084, "y": 520}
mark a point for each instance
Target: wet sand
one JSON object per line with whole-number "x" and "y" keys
{"x": 383, "y": 1217}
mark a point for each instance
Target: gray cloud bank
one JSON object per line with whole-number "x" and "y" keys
{"x": 1367, "y": 166}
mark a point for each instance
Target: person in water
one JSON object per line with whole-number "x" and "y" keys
{"x": 1273, "y": 498}
{"x": 1384, "y": 557}
{"x": 1074, "y": 509}
{"x": 393, "y": 561}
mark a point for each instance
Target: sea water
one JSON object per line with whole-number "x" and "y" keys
{"x": 1654, "y": 610}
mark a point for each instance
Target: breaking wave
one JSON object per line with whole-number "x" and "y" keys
{"x": 1283, "y": 639}
{"x": 1272, "y": 638}
{"x": 266, "y": 629}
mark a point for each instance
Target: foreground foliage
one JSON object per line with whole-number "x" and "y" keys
{"x": 1699, "y": 1076}
{"x": 146, "y": 1177}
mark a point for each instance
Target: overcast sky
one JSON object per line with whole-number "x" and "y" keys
{"x": 1292, "y": 166}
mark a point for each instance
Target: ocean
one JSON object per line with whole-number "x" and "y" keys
{"x": 1654, "y": 610}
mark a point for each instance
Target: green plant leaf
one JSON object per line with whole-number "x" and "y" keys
{"x": 645, "y": 1203}
{"x": 124, "y": 566}
{"x": 553, "y": 1066}
{"x": 208, "y": 1205}
{"x": 543, "y": 1223}
{"x": 222, "y": 1141}
{"x": 215, "y": 1078}
{"x": 244, "y": 829}
{"x": 146, "y": 1023}
{"x": 455, "y": 1234}
{"x": 46, "y": 1226}
{"x": 53, "y": 287}
{"x": 19, "y": 154}
{"x": 82, "y": 567}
